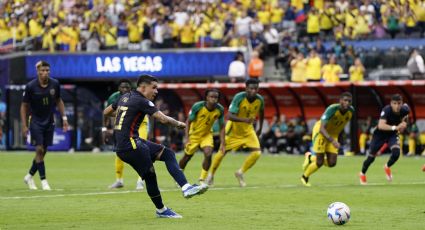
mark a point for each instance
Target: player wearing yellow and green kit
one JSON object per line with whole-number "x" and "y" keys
{"x": 199, "y": 135}
{"x": 240, "y": 131}
{"x": 325, "y": 135}
{"x": 124, "y": 86}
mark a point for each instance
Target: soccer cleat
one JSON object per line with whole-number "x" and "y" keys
{"x": 362, "y": 178}
{"x": 239, "y": 177}
{"x": 30, "y": 182}
{"x": 139, "y": 184}
{"x": 117, "y": 184}
{"x": 423, "y": 168}
{"x": 45, "y": 185}
{"x": 193, "y": 190}
{"x": 168, "y": 213}
{"x": 210, "y": 180}
{"x": 304, "y": 180}
{"x": 307, "y": 160}
{"x": 388, "y": 173}
{"x": 204, "y": 188}
{"x": 410, "y": 154}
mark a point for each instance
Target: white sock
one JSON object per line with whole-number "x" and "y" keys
{"x": 187, "y": 185}
{"x": 161, "y": 210}
{"x": 28, "y": 175}
{"x": 120, "y": 180}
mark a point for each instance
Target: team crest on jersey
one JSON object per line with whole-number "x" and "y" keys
{"x": 125, "y": 99}
{"x": 52, "y": 92}
{"x": 382, "y": 113}
{"x": 151, "y": 104}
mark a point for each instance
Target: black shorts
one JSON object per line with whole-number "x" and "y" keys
{"x": 41, "y": 135}
{"x": 378, "y": 140}
{"x": 141, "y": 158}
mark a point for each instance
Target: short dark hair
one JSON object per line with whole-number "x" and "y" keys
{"x": 346, "y": 94}
{"x": 252, "y": 81}
{"x": 124, "y": 80}
{"x": 146, "y": 78}
{"x": 212, "y": 90}
{"x": 42, "y": 63}
{"x": 396, "y": 97}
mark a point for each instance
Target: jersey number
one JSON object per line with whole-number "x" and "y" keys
{"x": 45, "y": 101}
{"x": 122, "y": 110}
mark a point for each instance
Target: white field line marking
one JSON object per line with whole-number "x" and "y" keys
{"x": 211, "y": 188}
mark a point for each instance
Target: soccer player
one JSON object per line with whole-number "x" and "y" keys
{"x": 325, "y": 136}
{"x": 41, "y": 95}
{"x": 199, "y": 134}
{"x": 240, "y": 131}
{"x": 392, "y": 120}
{"x": 130, "y": 111}
{"x": 124, "y": 86}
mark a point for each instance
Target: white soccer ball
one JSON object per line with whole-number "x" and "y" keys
{"x": 338, "y": 213}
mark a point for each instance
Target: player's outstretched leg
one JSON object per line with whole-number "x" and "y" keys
{"x": 307, "y": 160}
{"x": 173, "y": 168}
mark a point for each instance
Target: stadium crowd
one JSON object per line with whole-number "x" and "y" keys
{"x": 73, "y": 25}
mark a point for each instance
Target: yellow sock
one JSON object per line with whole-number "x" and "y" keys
{"x": 204, "y": 174}
{"x": 119, "y": 168}
{"x": 218, "y": 157}
{"x": 362, "y": 142}
{"x": 312, "y": 168}
{"x": 412, "y": 145}
{"x": 250, "y": 160}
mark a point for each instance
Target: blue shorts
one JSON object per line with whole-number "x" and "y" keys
{"x": 378, "y": 140}
{"x": 143, "y": 157}
{"x": 41, "y": 135}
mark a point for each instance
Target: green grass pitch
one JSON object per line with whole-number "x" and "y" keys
{"x": 273, "y": 199}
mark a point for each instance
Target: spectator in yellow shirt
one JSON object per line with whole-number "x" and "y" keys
{"x": 48, "y": 41}
{"x": 313, "y": 27}
{"x": 110, "y": 36}
{"x": 298, "y": 68}
{"x": 35, "y": 30}
{"x": 134, "y": 34}
{"x": 187, "y": 36}
{"x": 313, "y": 66}
{"x": 264, "y": 15}
{"x": 357, "y": 71}
{"x": 331, "y": 72}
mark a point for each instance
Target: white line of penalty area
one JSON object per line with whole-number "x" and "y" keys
{"x": 211, "y": 188}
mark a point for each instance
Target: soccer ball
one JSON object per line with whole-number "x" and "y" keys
{"x": 338, "y": 213}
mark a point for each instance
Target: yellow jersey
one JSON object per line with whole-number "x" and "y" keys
{"x": 335, "y": 120}
{"x": 244, "y": 109}
{"x": 201, "y": 119}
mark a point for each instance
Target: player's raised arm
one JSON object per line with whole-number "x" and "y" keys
{"x": 161, "y": 117}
